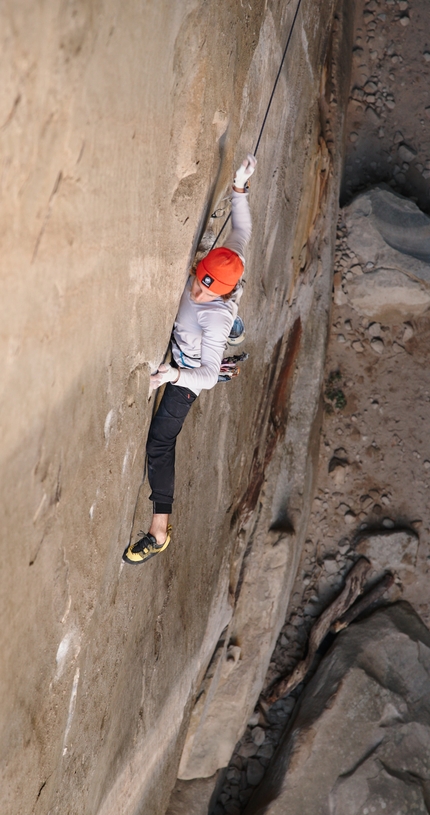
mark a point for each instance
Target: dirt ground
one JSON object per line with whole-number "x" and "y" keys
{"x": 374, "y": 460}
{"x": 389, "y": 107}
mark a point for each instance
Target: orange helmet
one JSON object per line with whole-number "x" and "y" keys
{"x": 220, "y": 270}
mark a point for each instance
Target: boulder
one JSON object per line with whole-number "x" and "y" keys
{"x": 394, "y": 550}
{"x": 388, "y": 295}
{"x": 361, "y": 737}
{"x": 391, "y": 239}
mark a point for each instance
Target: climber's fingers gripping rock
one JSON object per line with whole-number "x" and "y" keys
{"x": 165, "y": 373}
{"x": 245, "y": 171}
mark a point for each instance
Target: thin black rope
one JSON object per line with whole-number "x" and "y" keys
{"x": 268, "y": 107}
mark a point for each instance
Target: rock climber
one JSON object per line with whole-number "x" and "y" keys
{"x": 206, "y": 314}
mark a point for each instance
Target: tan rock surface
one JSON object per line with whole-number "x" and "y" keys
{"x": 120, "y": 127}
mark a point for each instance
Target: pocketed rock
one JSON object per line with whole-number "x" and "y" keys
{"x": 362, "y": 730}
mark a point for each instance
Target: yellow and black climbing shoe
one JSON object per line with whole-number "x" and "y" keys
{"x": 145, "y": 548}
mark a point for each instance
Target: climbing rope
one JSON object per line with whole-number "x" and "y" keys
{"x": 267, "y": 109}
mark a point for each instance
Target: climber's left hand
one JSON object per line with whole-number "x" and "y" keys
{"x": 164, "y": 374}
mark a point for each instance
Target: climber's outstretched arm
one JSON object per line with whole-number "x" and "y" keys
{"x": 241, "y": 225}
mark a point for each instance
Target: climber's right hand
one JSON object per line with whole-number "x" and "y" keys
{"x": 245, "y": 171}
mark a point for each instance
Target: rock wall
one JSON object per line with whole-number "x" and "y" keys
{"x": 120, "y": 126}
{"x": 360, "y": 737}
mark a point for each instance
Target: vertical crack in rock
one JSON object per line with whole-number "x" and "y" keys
{"x": 158, "y": 633}
{"x": 48, "y": 213}
{"x": 12, "y": 112}
{"x": 273, "y": 417}
{"x": 245, "y": 556}
{"x": 311, "y": 207}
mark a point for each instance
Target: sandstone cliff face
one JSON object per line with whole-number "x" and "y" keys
{"x": 120, "y": 127}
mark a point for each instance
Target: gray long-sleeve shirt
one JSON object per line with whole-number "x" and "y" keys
{"x": 201, "y": 330}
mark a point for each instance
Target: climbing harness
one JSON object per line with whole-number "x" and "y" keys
{"x": 266, "y": 114}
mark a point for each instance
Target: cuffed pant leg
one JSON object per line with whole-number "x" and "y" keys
{"x": 165, "y": 427}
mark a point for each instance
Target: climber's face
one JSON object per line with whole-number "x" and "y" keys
{"x": 199, "y": 293}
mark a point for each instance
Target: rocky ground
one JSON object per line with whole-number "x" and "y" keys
{"x": 389, "y": 108}
{"x": 374, "y": 464}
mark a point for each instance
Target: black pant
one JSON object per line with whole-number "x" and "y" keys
{"x": 165, "y": 427}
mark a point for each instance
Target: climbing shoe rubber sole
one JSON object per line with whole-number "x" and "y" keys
{"x": 145, "y": 548}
